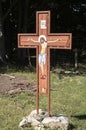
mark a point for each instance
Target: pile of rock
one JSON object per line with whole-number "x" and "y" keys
{"x": 42, "y": 121}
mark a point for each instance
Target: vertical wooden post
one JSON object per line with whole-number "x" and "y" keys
{"x": 37, "y": 76}
{"x": 48, "y": 81}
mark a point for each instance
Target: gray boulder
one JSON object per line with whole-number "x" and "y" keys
{"x": 61, "y": 122}
{"x": 41, "y": 121}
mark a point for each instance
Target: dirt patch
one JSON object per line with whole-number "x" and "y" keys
{"x": 13, "y": 85}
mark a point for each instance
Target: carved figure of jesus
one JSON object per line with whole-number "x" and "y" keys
{"x": 42, "y": 55}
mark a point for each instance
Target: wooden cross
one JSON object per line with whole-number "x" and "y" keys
{"x": 43, "y": 41}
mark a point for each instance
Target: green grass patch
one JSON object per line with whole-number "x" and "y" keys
{"x": 68, "y": 96}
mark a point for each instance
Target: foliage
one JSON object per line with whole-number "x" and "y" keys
{"x": 19, "y": 16}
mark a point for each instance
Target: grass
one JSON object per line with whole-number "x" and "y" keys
{"x": 68, "y": 96}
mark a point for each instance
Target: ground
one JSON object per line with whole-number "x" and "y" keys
{"x": 15, "y": 84}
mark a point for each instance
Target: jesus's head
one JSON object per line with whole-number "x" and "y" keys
{"x": 42, "y": 39}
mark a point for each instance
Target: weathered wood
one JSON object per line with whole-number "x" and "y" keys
{"x": 43, "y": 41}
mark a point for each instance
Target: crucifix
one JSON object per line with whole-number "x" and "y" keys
{"x": 43, "y": 41}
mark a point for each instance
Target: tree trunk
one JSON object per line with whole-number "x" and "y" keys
{"x": 21, "y": 51}
{"x": 25, "y": 24}
{"x": 2, "y": 44}
{"x": 76, "y": 58}
{"x": 23, "y": 16}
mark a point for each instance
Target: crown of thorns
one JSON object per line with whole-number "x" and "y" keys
{"x": 41, "y": 36}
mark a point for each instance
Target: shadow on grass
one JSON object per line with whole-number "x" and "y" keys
{"x": 71, "y": 127}
{"x": 80, "y": 117}
{"x": 69, "y": 71}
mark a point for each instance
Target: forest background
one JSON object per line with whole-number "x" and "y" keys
{"x": 19, "y": 16}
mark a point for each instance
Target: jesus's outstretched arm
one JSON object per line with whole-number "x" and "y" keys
{"x": 54, "y": 41}
{"x": 33, "y": 40}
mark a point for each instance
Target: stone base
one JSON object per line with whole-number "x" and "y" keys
{"x": 42, "y": 121}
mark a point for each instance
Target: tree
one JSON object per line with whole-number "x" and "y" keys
{"x": 2, "y": 45}
{"x": 18, "y": 16}
{"x": 22, "y": 27}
